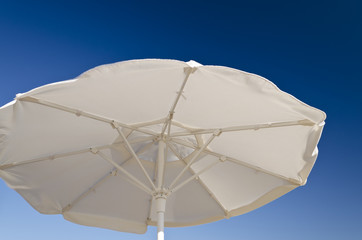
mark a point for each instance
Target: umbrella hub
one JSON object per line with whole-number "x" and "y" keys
{"x": 161, "y": 193}
{"x": 146, "y": 145}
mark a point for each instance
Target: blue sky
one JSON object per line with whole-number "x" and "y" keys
{"x": 310, "y": 49}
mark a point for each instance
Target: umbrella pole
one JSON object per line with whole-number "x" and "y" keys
{"x": 161, "y": 195}
{"x": 161, "y": 205}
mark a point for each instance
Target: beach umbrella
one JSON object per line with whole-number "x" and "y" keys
{"x": 156, "y": 142}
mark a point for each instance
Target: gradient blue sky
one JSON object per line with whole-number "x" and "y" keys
{"x": 311, "y": 49}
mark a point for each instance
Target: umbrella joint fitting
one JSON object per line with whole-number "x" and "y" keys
{"x": 94, "y": 150}
{"x": 171, "y": 114}
{"x": 78, "y": 113}
{"x": 115, "y": 124}
{"x": 161, "y": 193}
{"x": 163, "y": 138}
{"x": 217, "y": 132}
{"x": 156, "y": 139}
{"x": 227, "y": 215}
{"x": 189, "y": 70}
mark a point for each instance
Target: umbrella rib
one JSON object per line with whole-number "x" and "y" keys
{"x": 200, "y": 181}
{"x": 132, "y": 178}
{"x": 146, "y": 124}
{"x": 61, "y": 155}
{"x": 303, "y": 122}
{"x": 142, "y": 150}
{"x": 194, "y": 176}
{"x": 234, "y": 160}
{"x": 92, "y": 188}
{"x": 130, "y": 149}
{"x": 148, "y": 220}
{"x": 51, "y": 157}
{"x": 113, "y": 172}
{"x": 167, "y": 123}
{"x": 199, "y": 151}
{"x": 83, "y": 113}
{"x": 139, "y": 140}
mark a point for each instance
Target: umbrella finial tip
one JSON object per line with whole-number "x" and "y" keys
{"x": 193, "y": 64}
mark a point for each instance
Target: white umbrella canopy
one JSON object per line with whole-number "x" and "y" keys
{"x": 141, "y": 142}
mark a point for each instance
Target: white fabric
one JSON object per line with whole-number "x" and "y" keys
{"x": 259, "y": 165}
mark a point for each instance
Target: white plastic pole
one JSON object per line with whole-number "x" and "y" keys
{"x": 160, "y": 208}
{"x": 160, "y": 226}
{"x": 160, "y": 197}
